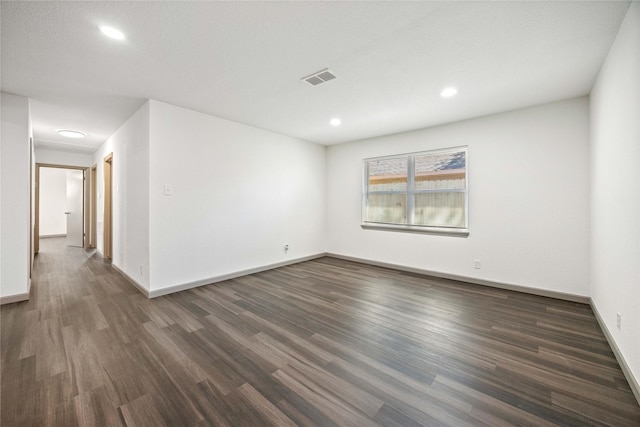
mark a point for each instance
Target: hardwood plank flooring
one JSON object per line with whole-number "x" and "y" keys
{"x": 325, "y": 342}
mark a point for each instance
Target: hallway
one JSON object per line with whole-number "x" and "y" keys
{"x": 51, "y": 344}
{"x": 324, "y": 342}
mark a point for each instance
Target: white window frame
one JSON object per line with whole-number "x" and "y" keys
{"x": 411, "y": 192}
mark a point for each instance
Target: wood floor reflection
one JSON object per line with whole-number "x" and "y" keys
{"x": 324, "y": 342}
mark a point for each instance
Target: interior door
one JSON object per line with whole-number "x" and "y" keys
{"x": 74, "y": 212}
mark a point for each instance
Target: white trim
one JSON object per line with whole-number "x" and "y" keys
{"x": 500, "y": 285}
{"x": 184, "y": 286}
{"x": 448, "y": 231}
{"x": 208, "y": 281}
{"x": 508, "y": 286}
{"x": 50, "y": 236}
{"x": 626, "y": 370}
{"x": 133, "y": 281}
{"x": 14, "y": 298}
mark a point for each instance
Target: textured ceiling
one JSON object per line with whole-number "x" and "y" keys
{"x": 243, "y": 61}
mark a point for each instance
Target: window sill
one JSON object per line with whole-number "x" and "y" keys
{"x": 444, "y": 231}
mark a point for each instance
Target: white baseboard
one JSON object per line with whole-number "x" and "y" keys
{"x": 184, "y": 286}
{"x": 133, "y": 281}
{"x": 14, "y": 298}
{"x": 49, "y": 236}
{"x": 500, "y": 285}
{"x": 626, "y": 370}
{"x": 208, "y": 281}
{"x": 508, "y": 286}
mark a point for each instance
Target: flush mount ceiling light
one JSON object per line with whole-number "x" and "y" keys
{"x": 111, "y": 32}
{"x": 448, "y": 92}
{"x": 335, "y": 121}
{"x": 71, "y": 133}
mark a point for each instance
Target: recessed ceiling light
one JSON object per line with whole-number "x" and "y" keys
{"x": 448, "y": 92}
{"x": 111, "y": 32}
{"x": 71, "y": 133}
{"x": 335, "y": 121}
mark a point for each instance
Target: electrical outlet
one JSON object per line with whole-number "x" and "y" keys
{"x": 619, "y": 320}
{"x": 286, "y": 248}
{"x": 141, "y": 270}
{"x": 476, "y": 264}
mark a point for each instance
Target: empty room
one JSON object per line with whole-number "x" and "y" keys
{"x": 320, "y": 213}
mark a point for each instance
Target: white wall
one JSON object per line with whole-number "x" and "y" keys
{"x": 615, "y": 192}
{"x": 528, "y": 199}
{"x": 64, "y": 158}
{"x": 15, "y": 214}
{"x": 130, "y": 148}
{"x": 239, "y": 195}
{"x": 53, "y": 201}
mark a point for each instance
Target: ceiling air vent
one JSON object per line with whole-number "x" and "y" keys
{"x": 319, "y": 77}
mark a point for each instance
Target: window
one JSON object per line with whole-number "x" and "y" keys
{"x": 424, "y": 191}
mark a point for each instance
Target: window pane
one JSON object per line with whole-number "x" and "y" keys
{"x": 440, "y": 171}
{"x": 440, "y": 209}
{"x": 387, "y": 208}
{"x": 388, "y": 174}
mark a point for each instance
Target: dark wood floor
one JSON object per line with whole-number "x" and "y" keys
{"x": 325, "y": 342}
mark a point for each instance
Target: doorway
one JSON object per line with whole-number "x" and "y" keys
{"x": 60, "y": 204}
{"x": 108, "y": 207}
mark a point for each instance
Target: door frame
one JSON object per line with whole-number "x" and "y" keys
{"x": 107, "y": 242}
{"x": 32, "y": 208}
{"x": 93, "y": 206}
{"x": 85, "y": 201}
